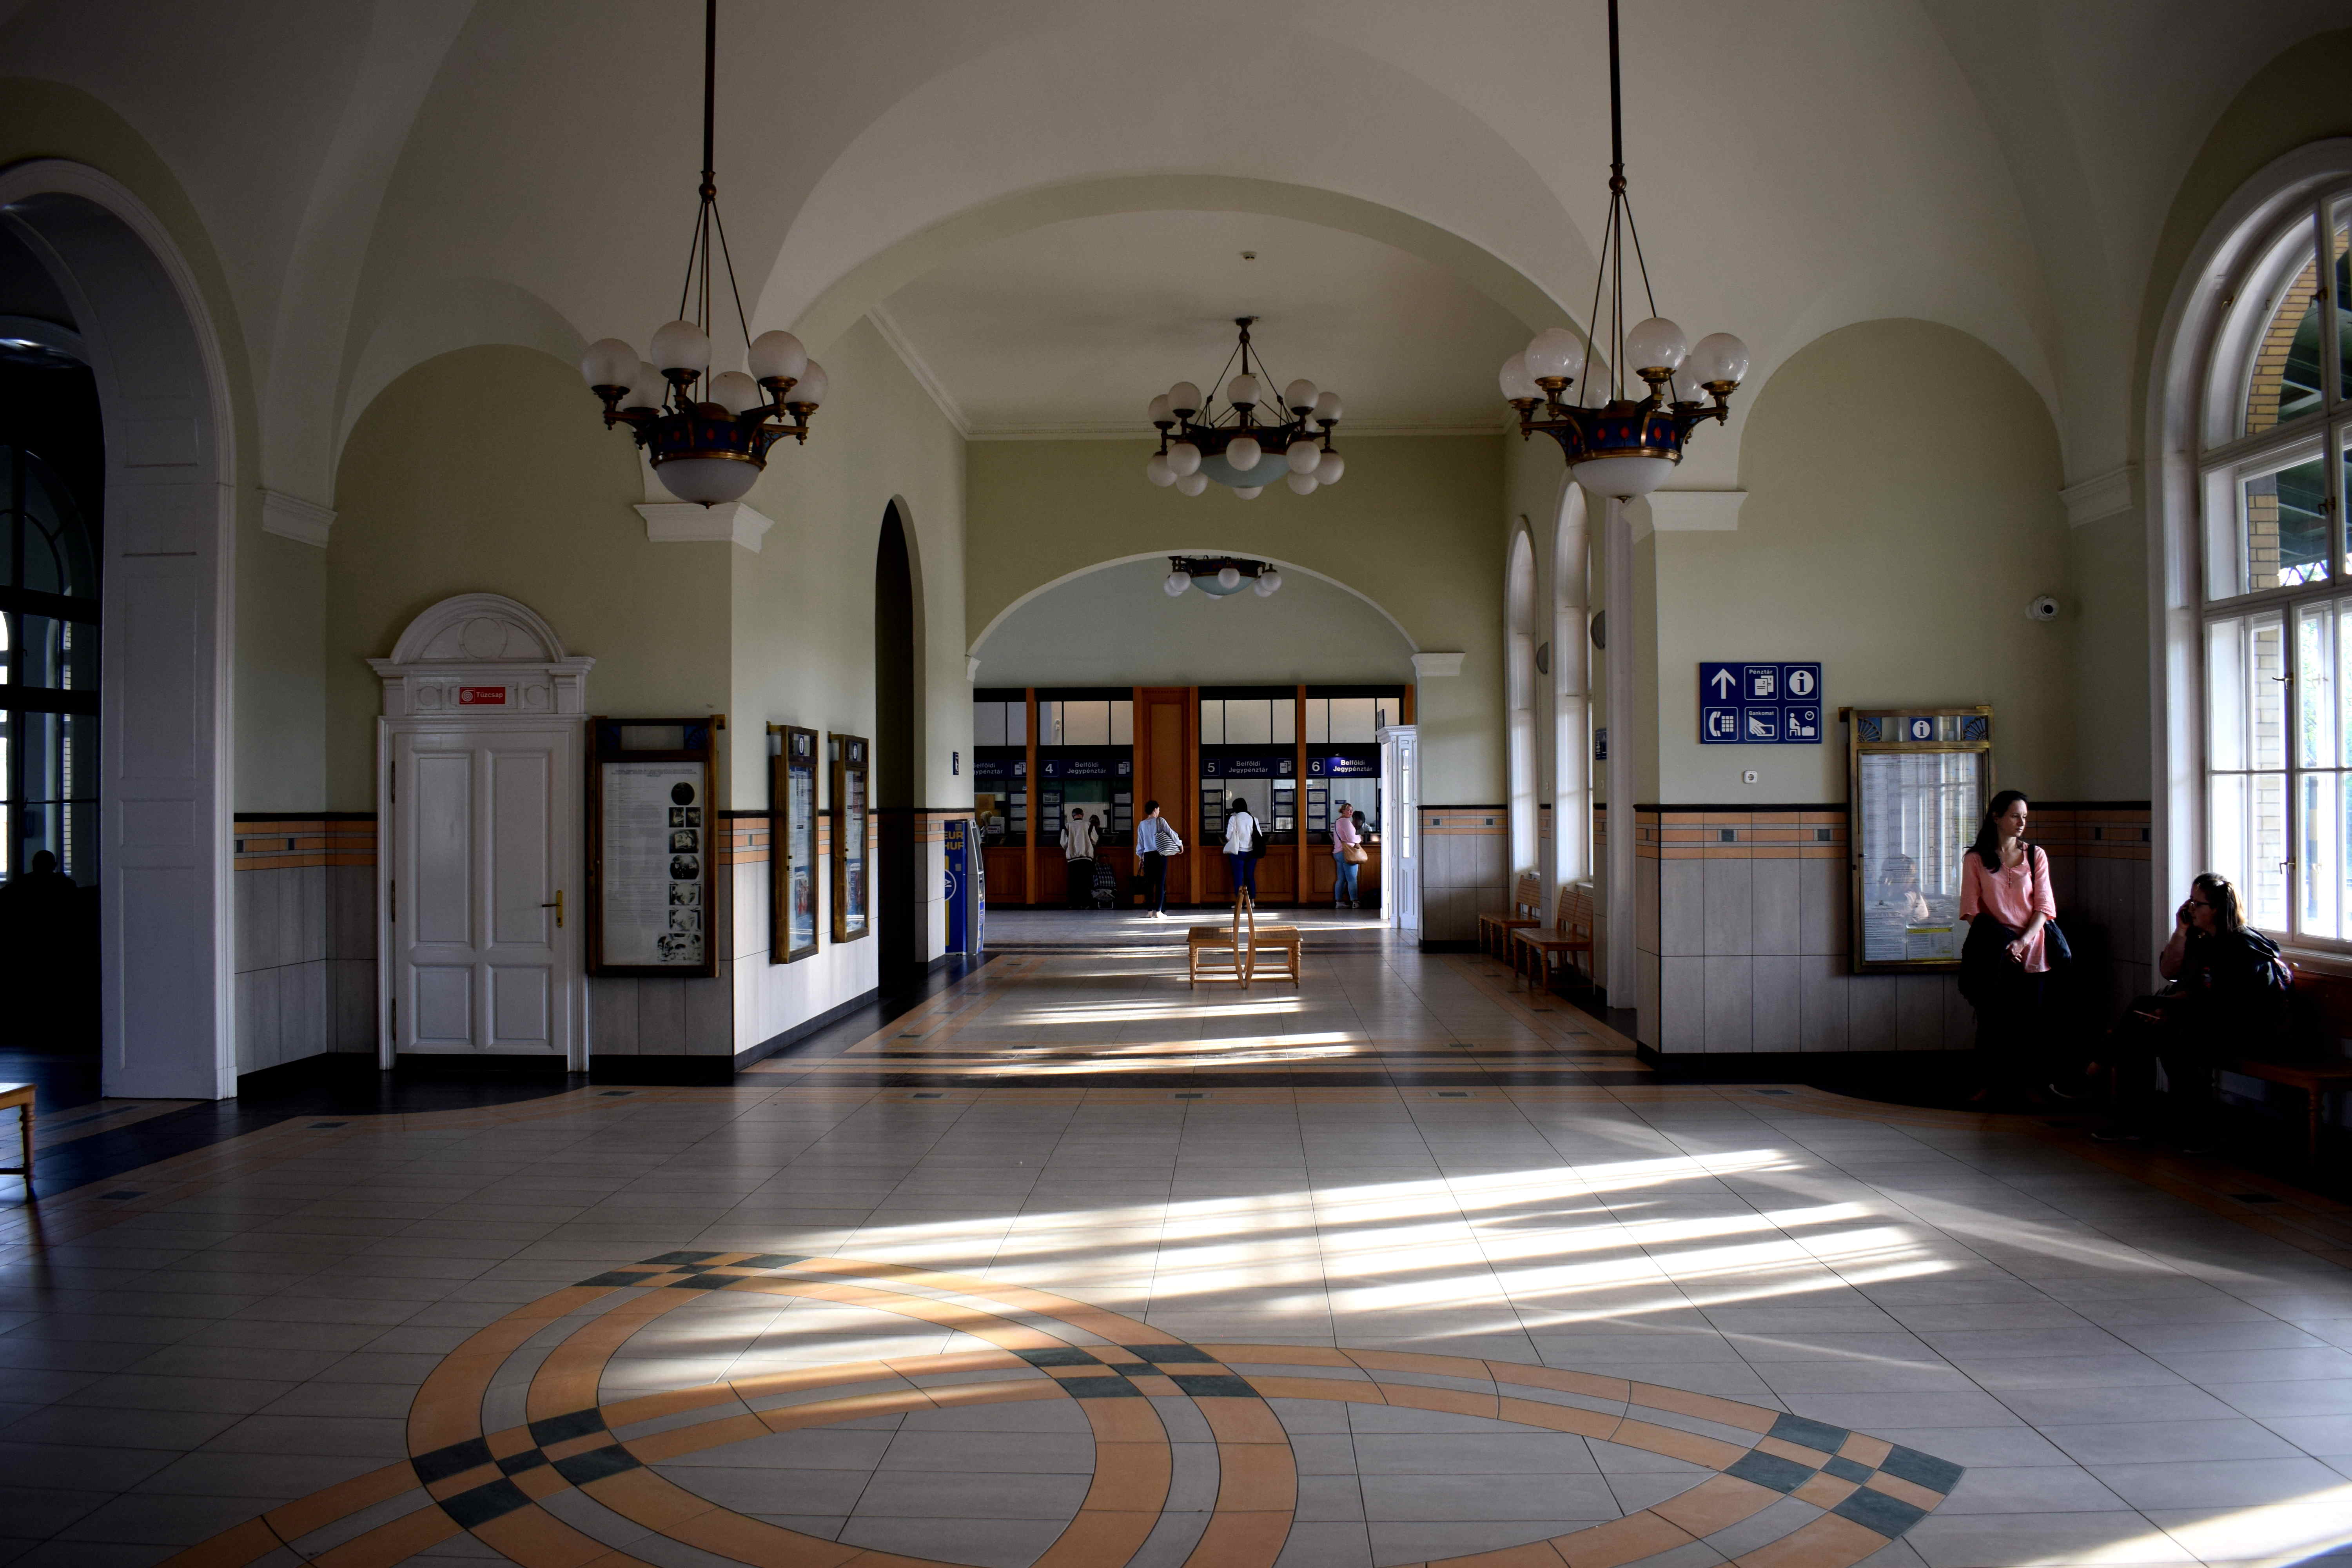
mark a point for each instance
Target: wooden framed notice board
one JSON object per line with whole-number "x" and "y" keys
{"x": 1917, "y": 780}
{"x": 791, "y": 843}
{"x": 652, "y": 846}
{"x": 850, "y": 882}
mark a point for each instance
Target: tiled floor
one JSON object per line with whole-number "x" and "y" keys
{"x": 1072, "y": 1266}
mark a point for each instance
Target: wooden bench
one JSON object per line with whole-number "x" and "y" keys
{"x": 2312, "y": 1058}
{"x": 1288, "y": 944}
{"x": 1231, "y": 939}
{"x": 1526, "y": 910}
{"x": 1532, "y": 951}
{"x": 20, "y": 1095}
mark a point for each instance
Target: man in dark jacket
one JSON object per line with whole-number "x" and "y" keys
{"x": 2228, "y": 997}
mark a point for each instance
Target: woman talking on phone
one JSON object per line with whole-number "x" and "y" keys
{"x": 2005, "y": 898}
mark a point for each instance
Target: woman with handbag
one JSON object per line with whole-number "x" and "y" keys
{"x": 1241, "y": 848}
{"x": 1347, "y": 854}
{"x": 2006, "y": 900}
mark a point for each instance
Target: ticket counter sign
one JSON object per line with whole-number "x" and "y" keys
{"x": 1757, "y": 704}
{"x": 1230, "y": 764}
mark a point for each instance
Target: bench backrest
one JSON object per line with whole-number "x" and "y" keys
{"x": 1527, "y": 899}
{"x": 2322, "y": 1011}
{"x": 1575, "y": 917}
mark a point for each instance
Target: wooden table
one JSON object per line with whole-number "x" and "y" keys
{"x": 20, "y": 1095}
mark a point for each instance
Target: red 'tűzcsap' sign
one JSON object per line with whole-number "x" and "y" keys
{"x": 481, "y": 697}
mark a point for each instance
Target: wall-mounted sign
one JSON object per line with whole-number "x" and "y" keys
{"x": 652, "y": 849}
{"x": 481, "y": 697}
{"x": 1086, "y": 768}
{"x": 1776, "y": 704}
{"x": 792, "y": 844}
{"x": 1600, "y": 743}
{"x": 1343, "y": 767}
{"x": 850, "y": 774}
{"x": 1228, "y": 764}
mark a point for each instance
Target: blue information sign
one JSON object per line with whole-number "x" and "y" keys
{"x": 1757, "y": 704}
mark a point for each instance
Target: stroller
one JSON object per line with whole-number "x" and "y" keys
{"x": 1106, "y": 886}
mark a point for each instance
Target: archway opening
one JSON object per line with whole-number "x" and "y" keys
{"x": 898, "y": 760}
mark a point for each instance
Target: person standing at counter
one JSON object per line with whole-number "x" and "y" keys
{"x": 1241, "y": 846}
{"x": 1155, "y": 840}
{"x": 2005, "y": 898}
{"x": 1344, "y": 837}
{"x": 1078, "y": 854}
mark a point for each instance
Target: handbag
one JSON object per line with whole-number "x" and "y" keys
{"x": 2056, "y": 951}
{"x": 1355, "y": 854}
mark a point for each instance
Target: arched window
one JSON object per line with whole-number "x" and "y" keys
{"x": 1571, "y": 779}
{"x": 2273, "y": 437}
{"x": 49, "y": 641}
{"x": 1519, "y": 602}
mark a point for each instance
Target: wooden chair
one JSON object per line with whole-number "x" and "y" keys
{"x": 1287, "y": 943}
{"x": 2311, "y": 1059}
{"x": 1526, "y": 910}
{"x": 1532, "y": 951}
{"x": 1234, "y": 940}
{"x": 20, "y": 1095}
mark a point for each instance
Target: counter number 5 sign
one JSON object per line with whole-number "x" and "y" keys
{"x": 1753, "y": 703}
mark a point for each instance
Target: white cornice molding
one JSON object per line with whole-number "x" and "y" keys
{"x": 1092, "y": 430}
{"x": 2101, "y": 495}
{"x": 920, "y": 369}
{"x": 1685, "y": 511}
{"x": 291, "y": 517}
{"x": 683, "y": 522}
{"x": 1433, "y": 666}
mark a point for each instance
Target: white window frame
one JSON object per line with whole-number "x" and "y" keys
{"x": 2253, "y": 253}
{"x": 1520, "y": 696}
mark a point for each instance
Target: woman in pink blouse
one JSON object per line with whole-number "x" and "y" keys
{"x": 2005, "y": 897}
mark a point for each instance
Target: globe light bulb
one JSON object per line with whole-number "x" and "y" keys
{"x": 1191, "y": 484}
{"x": 1175, "y": 585}
{"x": 1269, "y": 584}
{"x": 1184, "y": 399}
{"x": 1242, "y": 391}
{"x": 1300, "y": 484}
{"x": 1327, "y": 407}
{"x": 815, "y": 384}
{"x": 1243, "y": 453}
{"x": 1184, "y": 461}
{"x": 1158, "y": 471}
{"x": 736, "y": 393}
{"x": 1717, "y": 357}
{"x": 682, "y": 345}
{"x": 609, "y": 362}
{"x": 1250, "y": 492}
{"x": 1303, "y": 457}
{"x": 778, "y": 356}
{"x": 1655, "y": 344}
{"x": 1517, "y": 385}
{"x": 1329, "y": 469}
{"x": 647, "y": 387}
{"x": 1229, "y": 578}
{"x": 1299, "y": 394}
{"x": 1555, "y": 351}
{"x": 1158, "y": 413}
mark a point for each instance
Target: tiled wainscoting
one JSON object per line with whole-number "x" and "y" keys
{"x": 1743, "y": 932}
{"x": 1466, "y": 869}
{"x": 305, "y": 891}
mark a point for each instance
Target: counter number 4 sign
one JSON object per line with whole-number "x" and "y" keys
{"x": 1742, "y": 703}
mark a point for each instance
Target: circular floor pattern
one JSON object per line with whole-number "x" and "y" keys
{"x": 510, "y": 1439}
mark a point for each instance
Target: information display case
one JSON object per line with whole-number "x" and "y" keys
{"x": 652, "y": 850}
{"x": 1917, "y": 783}
{"x": 852, "y": 883}
{"x": 791, "y": 843}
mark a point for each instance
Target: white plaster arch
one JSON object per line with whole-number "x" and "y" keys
{"x": 440, "y": 318}
{"x": 165, "y": 718}
{"x": 1007, "y": 613}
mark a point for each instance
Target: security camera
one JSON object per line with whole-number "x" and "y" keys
{"x": 2045, "y": 608}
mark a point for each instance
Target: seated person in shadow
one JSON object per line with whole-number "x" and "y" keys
{"x": 48, "y": 956}
{"x": 2227, "y": 998}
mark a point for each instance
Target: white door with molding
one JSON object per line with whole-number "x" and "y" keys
{"x": 483, "y": 895}
{"x": 480, "y": 876}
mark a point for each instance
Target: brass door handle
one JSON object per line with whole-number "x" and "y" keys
{"x": 558, "y": 906}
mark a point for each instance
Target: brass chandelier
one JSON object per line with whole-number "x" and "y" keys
{"x": 1623, "y": 447}
{"x": 1244, "y": 449}
{"x": 707, "y": 441}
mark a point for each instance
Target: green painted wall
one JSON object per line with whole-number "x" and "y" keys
{"x": 1411, "y": 528}
{"x": 1902, "y": 562}
{"x": 489, "y": 470}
